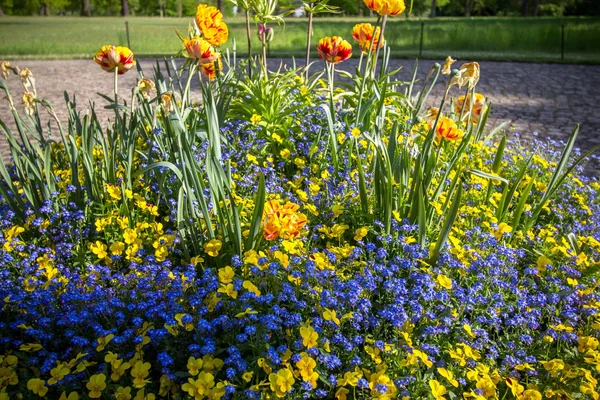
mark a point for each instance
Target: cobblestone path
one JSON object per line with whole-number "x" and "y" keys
{"x": 544, "y": 100}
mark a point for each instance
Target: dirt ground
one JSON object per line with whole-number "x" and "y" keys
{"x": 541, "y": 100}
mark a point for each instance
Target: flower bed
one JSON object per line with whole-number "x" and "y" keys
{"x": 287, "y": 238}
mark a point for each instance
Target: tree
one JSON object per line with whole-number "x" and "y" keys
{"x": 433, "y": 6}
{"x": 124, "y": 8}
{"x": 85, "y": 8}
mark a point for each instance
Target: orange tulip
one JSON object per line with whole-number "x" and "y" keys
{"x": 334, "y": 49}
{"x": 386, "y": 7}
{"x": 477, "y": 107}
{"x": 209, "y": 69}
{"x": 210, "y": 22}
{"x": 199, "y": 49}
{"x": 110, "y": 57}
{"x": 446, "y": 129}
{"x": 363, "y": 34}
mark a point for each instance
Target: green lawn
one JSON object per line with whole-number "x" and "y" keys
{"x": 479, "y": 38}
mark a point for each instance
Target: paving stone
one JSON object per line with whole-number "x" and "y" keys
{"x": 547, "y": 98}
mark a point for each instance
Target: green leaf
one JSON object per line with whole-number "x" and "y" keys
{"x": 486, "y": 175}
{"x": 259, "y": 206}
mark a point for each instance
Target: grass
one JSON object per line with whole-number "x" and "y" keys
{"x": 515, "y": 39}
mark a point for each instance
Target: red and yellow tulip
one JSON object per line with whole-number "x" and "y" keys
{"x": 363, "y": 34}
{"x": 477, "y": 109}
{"x": 110, "y": 57}
{"x": 386, "y": 7}
{"x": 209, "y": 70}
{"x": 210, "y": 22}
{"x": 200, "y": 49}
{"x": 334, "y": 49}
{"x": 446, "y": 129}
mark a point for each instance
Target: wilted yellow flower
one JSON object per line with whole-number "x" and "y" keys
{"x": 210, "y": 22}
{"x": 468, "y": 75}
{"x": 166, "y": 102}
{"x": 200, "y": 49}
{"x": 110, "y": 57}
{"x": 27, "y": 79}
{"x": 447, "y": 65}
{"x": 363, "y": 35}
{"x": 4, "y": 67}
{"x": 146, "y": 86}
{"x": 386, "y": 7}
{"x": 28, "y": 102}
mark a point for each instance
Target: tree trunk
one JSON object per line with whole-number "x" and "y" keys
{"x": 467, "y": 8}
{"x": 124, "y": 8}
{"x": 359, "y": 10}
{"x": 45, "y": 9}
{"x": 85, "y": 8}
{"x": 524, "y": 7}
{"x": 179, "y": 9}
{"x": 220, "y": 5}
{"x": 433, "y": 7}
{"x": 534, "y": 8}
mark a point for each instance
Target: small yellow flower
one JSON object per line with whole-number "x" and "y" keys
{"x": 309, "y": 337}
{"x": 330, "y": 315}
{"x": 285, "y": 153}
{"x": 139, "y": 372}
{"x": 255, "y": 119}
{"x": 103, "y": 341}
{"x": 123, "y": 393}
{"x": 37, "y": 386}
{"x": 444, "y": 281}
{"x": 212, "y": 248}
{"x": 226, "y": 274}
{"x": 281, "y": 382}
{"x": 228, "y": 290}
{"x": 437, "y": 389}
{"x": 96, "y": 385}
{"x": 99, "y": 249}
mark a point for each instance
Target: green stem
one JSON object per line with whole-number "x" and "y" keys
{"x": 116, "y": 89}
{"x": 249, "y": 43}
{"x": 186, "y": 92}
{"x": 308, "y": 35}
{"x": 379, "y": 41}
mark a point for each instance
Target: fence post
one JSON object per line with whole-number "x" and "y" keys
{"x": 127, "y": 31}
{"x": 421, "y": 41}
{"x": 562, "y": 42}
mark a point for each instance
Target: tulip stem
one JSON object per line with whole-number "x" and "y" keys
{"x": 308, "y": 35}
{"x": 462, "y": 110}
{"x": 116, "y": 84}
{"x": 264, "y": 54}
{"x": 378, "y": 41}
{"x": 249, "y": 43}
{"x": 186, "y": 92}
